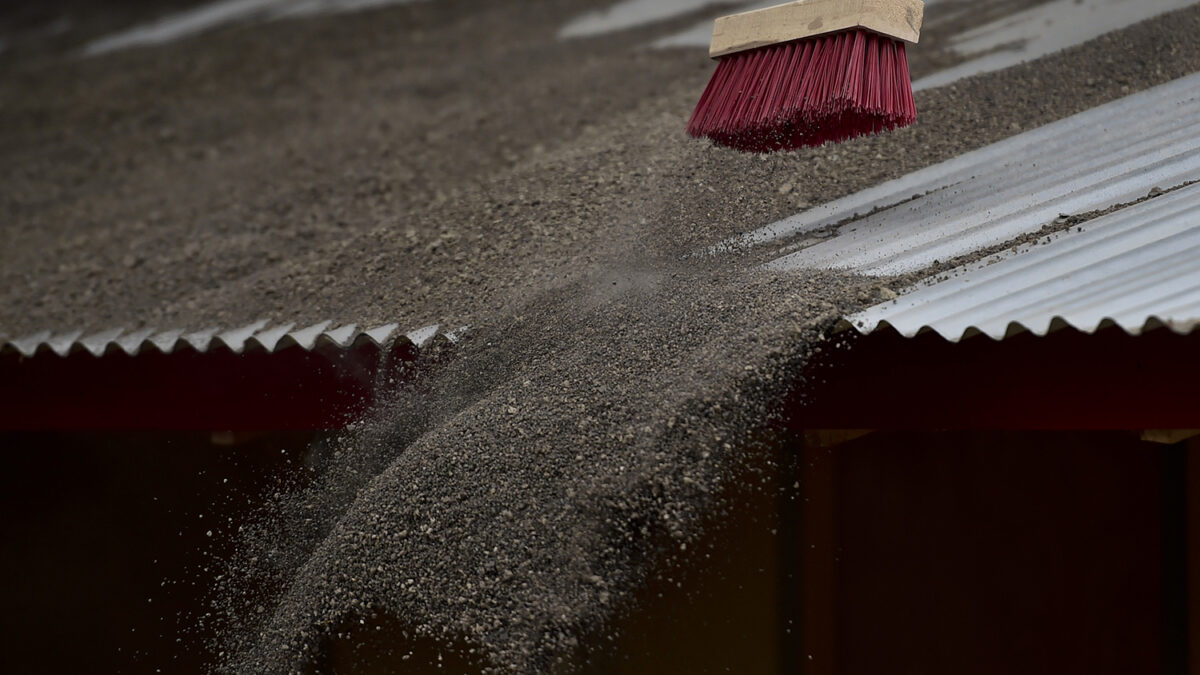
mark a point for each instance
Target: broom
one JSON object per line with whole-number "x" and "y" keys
{"x": 809, "y": 72}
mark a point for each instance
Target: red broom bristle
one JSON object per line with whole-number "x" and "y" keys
{"x": 806, "y": 93}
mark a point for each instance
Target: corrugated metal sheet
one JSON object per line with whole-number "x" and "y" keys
{"x": 1113, "y": 154}
{"x": 1137, "y": 268}
{"x": 256, "y": 336}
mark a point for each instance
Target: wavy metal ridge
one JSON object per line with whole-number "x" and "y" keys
{"x": 1053, "y": 324}
{"x": 257, "y": 336}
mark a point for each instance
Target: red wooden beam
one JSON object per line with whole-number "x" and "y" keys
{"x": 1065, "y": 380}
{"x": 291, "y": 389}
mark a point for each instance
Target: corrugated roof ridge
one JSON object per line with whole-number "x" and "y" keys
{"x": 259, "y": 335}
{"x": 1042, "y": 328}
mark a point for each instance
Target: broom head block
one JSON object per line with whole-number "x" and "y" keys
{"x": 899, "y": 19}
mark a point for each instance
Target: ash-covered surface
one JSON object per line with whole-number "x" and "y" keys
{"x": 453, "y": 162}
{"x": 418, "y": 164}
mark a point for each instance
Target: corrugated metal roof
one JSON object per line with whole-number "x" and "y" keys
{"x": 1137, "y": 268}
{"x": 1113, "y": 154}
{"x": 255, "y": 336}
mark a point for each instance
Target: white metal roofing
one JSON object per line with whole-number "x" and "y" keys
{"x": 255, "y": 336}
{"x": 1137, "y": 268}
{"x": 1110, "y": 155}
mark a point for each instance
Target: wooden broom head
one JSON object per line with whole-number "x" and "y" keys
{"x": 899, "y": 19}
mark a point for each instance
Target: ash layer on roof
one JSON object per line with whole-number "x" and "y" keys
{"x": 419, "y": 164}
{"x": 385, "y": 167}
